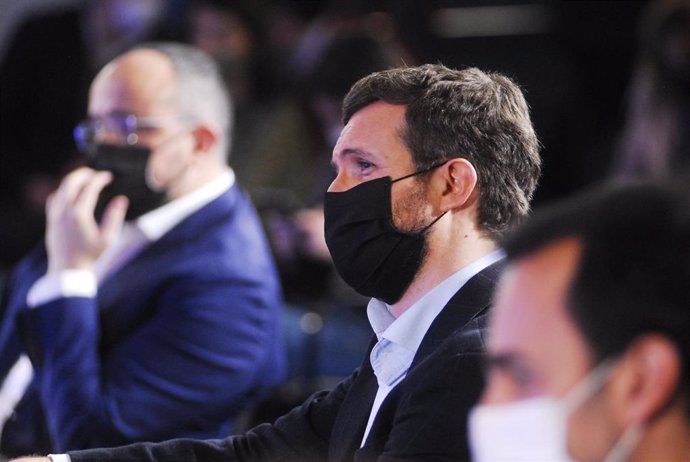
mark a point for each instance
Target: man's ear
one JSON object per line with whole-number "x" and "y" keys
{"x": 646, "y": 380}
{"x": 457, "y": 181}
{"x": 205, "y": 139}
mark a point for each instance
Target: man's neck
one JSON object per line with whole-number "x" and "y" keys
{"x": 438, "y": 266}
{"x": 667, "y": 438}
{"x": 193, "y": 179}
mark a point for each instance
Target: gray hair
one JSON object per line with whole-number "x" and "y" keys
{"x": 202, "y": 94}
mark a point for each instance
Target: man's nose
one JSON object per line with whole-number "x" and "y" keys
{"x": 340, "y": 183}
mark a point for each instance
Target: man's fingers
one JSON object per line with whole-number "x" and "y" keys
{"x": 113, "y": 218}
{"x": 52, "y": 212}
{"x": 49, "y": 202}
{"x": 72, "y": 185}
{"x": 86, "y": 201}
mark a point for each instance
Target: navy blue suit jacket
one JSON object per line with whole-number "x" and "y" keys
{"x": 424, "y": 418}
{"x": 177, "y": 342}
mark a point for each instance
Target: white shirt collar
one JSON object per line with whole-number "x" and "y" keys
{"x": 156, "y": 223}
{"x": 409, "y": 329}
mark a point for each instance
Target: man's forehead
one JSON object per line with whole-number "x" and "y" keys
{"x": 381, "y": 113}
{"x": 138, "y": 79}
{"x": 375, "y": 129}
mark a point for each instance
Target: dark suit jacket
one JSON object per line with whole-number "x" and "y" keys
{"x": 176, "y": 344}
{"x": 423, "y": 418}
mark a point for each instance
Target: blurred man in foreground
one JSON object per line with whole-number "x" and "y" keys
{"x": 589, "y": 351}
{"x": 159, "y": 318}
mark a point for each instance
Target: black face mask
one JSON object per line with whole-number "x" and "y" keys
{"x": 128, "y": 166}
{"x": 369, "y": 252}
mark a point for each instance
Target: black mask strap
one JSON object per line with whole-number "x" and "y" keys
{"x": 433, "y": 222}
{"x": 433, "y": 167}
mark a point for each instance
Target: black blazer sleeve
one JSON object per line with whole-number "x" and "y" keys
{"x": 422, "y": 419}
{"x": 301, "y": 435}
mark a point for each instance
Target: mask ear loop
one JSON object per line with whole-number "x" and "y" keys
{"x": 591, "y": 384}
{"x": 419, "y": 172}
{"x": 433, "y": 167}
{"x": 432, "y": 223}
{"x": 596, "y": 379}
{"x": 622, "y": 450}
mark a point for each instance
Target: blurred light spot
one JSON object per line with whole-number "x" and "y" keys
{"x": 311, "y": 323}
{"x": 488, "y": 21}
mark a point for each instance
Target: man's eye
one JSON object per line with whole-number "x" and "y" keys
{"x": 522, "y": 378}
{"x": 364, "y": 165}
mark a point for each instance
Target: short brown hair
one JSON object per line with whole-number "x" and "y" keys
{"x": 482, "y": 117}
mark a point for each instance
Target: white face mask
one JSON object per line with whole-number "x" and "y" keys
{"x": 536, "y": 429}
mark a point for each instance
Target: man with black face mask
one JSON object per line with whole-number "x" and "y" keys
{"x": 152, "y": 310}
{"x": 433, "y": 164}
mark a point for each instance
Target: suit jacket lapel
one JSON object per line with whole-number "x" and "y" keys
{"x": 354, "y": 411}
{"x": 187, "y": 229}
{"x": 470, "y": 301}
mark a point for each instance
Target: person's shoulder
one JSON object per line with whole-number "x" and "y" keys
{"x": 470, "y": 338}
{"x": 231, "y": 209}
{"x": 462, "y": 351}
{"x": 492, "y": 273}
{"x": 235, "y": 205}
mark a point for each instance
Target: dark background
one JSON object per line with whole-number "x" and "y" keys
{"x": 574, "y": 64}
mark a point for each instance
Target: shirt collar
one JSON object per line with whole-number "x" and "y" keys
{"x": 156, "y": 223}
{"x": 410, "y": 328}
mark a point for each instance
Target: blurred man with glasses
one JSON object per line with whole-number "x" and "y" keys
{"x": 151, "y": 312}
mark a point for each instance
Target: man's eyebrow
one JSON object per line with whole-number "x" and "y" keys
{"x": 501, "y": 360}
{"x": 351, "y": 152}
{"x": 356, "y": 151}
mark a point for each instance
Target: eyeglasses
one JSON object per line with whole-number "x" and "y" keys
{"x": 121, "y": 128}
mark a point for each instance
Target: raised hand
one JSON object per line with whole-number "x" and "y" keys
{"x": 74, "y": 239}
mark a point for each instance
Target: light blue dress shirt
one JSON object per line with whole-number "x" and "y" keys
{"x": 400, "y": 338}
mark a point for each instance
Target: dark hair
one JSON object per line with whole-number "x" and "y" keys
{"x": 482, "y": 117}
{"x": 633, "y": 275}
